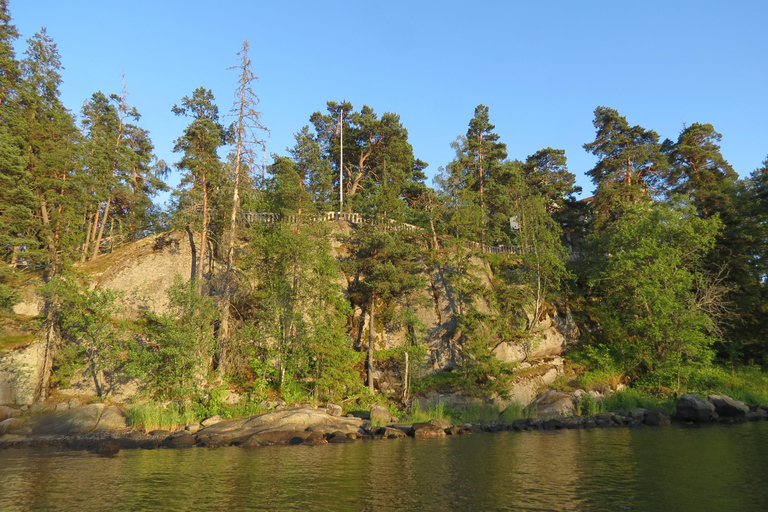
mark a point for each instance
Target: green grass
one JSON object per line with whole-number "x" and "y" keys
{"x": 473, "y": 413}
{"x": 478, "y": 413}
{"x": 152, "y": 416}
{"x": 588, "y": 406}
{"x": 437, "y": 411}
{"x": 630, "y": 399}
{"x": 747, "y": 383}
{"x": 15, "y": 341}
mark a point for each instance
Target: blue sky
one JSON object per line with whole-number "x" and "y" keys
{"x": 541, "y": 67}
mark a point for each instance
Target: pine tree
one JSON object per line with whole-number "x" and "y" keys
{"x": 17, "y": 202}
{"x": 699, "y": 170}
{"x": 198, "y": 146}
{"x": 477, "y": 167}
{"x": 630, "y": 168}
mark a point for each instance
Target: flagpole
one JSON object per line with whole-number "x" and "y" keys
{"x": 341, "y": 161}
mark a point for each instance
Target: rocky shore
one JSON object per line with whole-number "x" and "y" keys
{"x": 103, "y": 429}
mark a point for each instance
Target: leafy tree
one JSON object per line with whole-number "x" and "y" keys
{"x": 630, "y": 167}
{"x": 542, "y": 255}
{"x": 743, "y": 247}
{"x": 647, "y": 282}
{"x": 85, "y": 321}
{"x": 298, "y": 313}
{"x": 176, "y": 356}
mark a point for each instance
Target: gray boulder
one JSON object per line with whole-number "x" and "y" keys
{"x": 180, "y": 440}
{"x": 10, "y": 424}
{"x": 380, "y": 414}
{"x": 427, "y": 431}
{"x": 334, "y": 410}
{"x": 553, "y": 404}
{"x": 6, "y": 412}
{"x": 727, "y": 407}
{"x": 440, "y": 423}
{"x": 694, "y": 408}
{"x": 211, "y": 421}
{"x": 656, "y": 419}
{"x": 111, "y": 418}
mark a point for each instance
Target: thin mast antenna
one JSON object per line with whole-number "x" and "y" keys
{"x": 341, "y": 161}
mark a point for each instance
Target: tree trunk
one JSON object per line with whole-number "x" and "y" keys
{"x": 203, "y": 238}
{"x": 101, "y": 229}
{"x": 435, "y": 244}
{"x": 51, "y": 340}
{"x": 406, "y": 378}
{"x": 372, "y": 316}
{"x": 87, "y": 245}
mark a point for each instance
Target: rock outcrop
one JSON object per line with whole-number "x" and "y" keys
{"x": 694, "y": 408}
{"x": 305, "y": 419}
{"x": 727, "y": 407}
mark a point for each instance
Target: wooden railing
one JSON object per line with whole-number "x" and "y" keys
{"x": 351, "y": 217}
{"x": 356, "y": 218}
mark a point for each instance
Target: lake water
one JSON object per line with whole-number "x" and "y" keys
{"x": 723, "y": 468}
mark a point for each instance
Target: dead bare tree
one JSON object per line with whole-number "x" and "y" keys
{"x": 247, "y": 129}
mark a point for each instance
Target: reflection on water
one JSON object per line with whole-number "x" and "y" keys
{"x": 712, "y": 468}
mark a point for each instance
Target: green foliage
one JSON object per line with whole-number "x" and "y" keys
{"x": 176, "y": 356}
{"x": 644, "y": 283}
{"x": 542, "y": 268}
{"x": 587, "y": 405}
{"x": 84, "y": 318}
{"x": 298, "y": 339}
{"x": 513, "y": 411}
{"x": 478, "y": 413}
{"x": 9, "y": 296}
{"x": 441, "y": 382}
{"x": 630, "y": 164}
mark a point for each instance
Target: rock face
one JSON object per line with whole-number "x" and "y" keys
{"x": 694, "y": 408}
{"x": 19, "y": 370}
{"x": 556, "y": 330}
{"x": 74, "y": 422}
{"x": 143, "y": 272}
{"x": 727, "y": 407}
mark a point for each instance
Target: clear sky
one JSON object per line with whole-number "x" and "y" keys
{"x": 541, "y": 67}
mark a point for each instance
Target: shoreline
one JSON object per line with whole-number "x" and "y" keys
{"x": 111, "y": 442}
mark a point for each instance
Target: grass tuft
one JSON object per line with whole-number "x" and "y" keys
{"x": 152, "y": 416}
